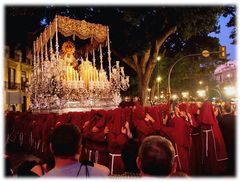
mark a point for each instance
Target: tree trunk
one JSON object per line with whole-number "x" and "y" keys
{"x": 142, "y": 92}
{"x": 145, "y": 64}
{"x": 153, "y": 91}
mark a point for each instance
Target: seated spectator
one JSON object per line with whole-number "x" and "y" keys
{"x": 129, "y": 156}
{"x": 156, "y": 157}
{"x": 65, "y": 145}
{"x": 25, "y": 169}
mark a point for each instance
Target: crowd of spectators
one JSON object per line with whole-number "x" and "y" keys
{"x": 159, "y": 141}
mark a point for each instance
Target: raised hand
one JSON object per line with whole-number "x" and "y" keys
{"x": 86, "y": 123}
{"x": 95, "y": 129}
{"x": 124, "y": 130}
{"x": 106, "y": 130}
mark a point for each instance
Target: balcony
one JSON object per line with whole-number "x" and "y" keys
{"x": 16, "y": 86}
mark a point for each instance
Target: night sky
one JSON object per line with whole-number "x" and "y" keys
{"x": 25, "y": 36}
{"x": 224, "y": 38}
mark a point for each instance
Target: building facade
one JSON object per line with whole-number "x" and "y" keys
{"x": 17, "y": 71}
{"x": 226, "y": 74}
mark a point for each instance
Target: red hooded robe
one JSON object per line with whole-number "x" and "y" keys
{"x": 214, "y": 153}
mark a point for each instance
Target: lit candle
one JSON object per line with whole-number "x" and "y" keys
{"x": 77, "y": 76}
{"x": 117, "y": 64}
{"x": 70, "y": 72}
{"x": 67, "y": 72}
{"x": 91, "y": 74}
{"x": 122, "y": 70}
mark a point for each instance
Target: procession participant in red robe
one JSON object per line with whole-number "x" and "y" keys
{"x": 142, "y": 123}
{"x": 128, "y": 112}
{"x": 76, "y": 119}
{"x": 118, "y": 135}
{"x": 47, "y": 129}
{"x": 94, "y": 134}
{"x": 214, "y": 155}
{"x": 178, "y": 131}
{"x": 152, "y": 114}
{"x": 119, "y": 130}
{"x": 195, "y": 153}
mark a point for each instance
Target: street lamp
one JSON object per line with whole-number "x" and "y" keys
{"x": 170, "y": 71}
{"x": 204, "y": 53}
{"x": 200, "y": 82}
{"x": 158, "y": 58}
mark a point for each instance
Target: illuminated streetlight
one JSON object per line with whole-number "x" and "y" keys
{"x": 200, "y": 82}
{"x": 159, "y": 79}
{"x": 174, "y": 96}
{"x": 201, "y": 93}
{"x": 229, "y": 90}
{"x": 158, "y": 58}
{"x": 185, "y": 94}
{"x": 149, "y": 90}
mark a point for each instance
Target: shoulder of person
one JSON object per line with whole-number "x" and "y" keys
{"x": 95, "y": 171}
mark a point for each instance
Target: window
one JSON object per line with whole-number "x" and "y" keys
{"x": 23, "y": 80}
{"x": 11, "y": 78}
{"x": 23, "y": 76}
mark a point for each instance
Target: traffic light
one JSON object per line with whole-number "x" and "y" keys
{"x": 222, "y": 52}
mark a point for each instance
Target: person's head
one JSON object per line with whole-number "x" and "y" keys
{"x": 129, "y": 156}
{"x": 66, "y": 141}
{"x": 180, "y": 174}
{"x": 156, "y": 157}
{"x": 227, "y": 108}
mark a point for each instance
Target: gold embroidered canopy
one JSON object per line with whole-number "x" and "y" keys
{"x": 71, "y": 27}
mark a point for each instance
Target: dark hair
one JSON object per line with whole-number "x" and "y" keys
{"x": 156, "y": 155}
{"x": 227, "y": 108}
{"x": 24, "y": 169}
{"x": 129, "y": 156}
{"x": 65, "y": 140}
